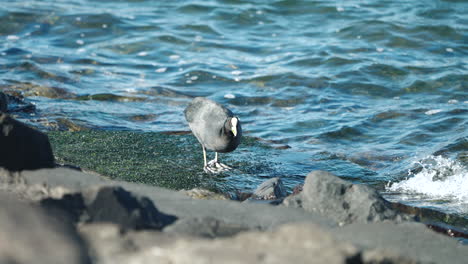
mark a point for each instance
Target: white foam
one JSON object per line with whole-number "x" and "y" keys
{"x": 12, "y": 37}
{"x": 440, "y": 178}
{"x": 142, "y": 53}
{"x": 433, "y": 112}
{"x": 161, "y": 70}
{"x": 229, "y": 96}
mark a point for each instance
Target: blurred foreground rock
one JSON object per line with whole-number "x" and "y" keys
{"x": 209, "y": 231}
{"x": 29, "y": 235}
{"x": 301, "y": 243}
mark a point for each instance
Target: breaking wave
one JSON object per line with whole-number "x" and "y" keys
{"x": 438, "y": 178}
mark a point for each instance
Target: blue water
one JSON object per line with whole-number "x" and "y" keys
{"x": 374, "y": 91}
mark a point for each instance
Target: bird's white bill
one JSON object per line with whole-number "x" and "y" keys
{"x": 234, "y": 121}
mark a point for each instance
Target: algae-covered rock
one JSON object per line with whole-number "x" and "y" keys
{"x": 162, "y": 159}
{"x": 151, "y": 158}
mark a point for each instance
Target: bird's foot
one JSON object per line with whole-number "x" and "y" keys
{"x": 216, "y": 167}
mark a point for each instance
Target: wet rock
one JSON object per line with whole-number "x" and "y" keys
{"x": 198, "y": 193}
{"x": 340, "y": 200}
{"x": 28, "y": 235}
{"x": 110, "y": 204}
{"x": 241, "y": 196}
{"x": 63, "y": 124}
{"x": 3, "y": 102}
{"x": 110, "y": 97}
{"x": 31, "y": 89}
{"x": 271, "y": 189}
{"x": 17, "y": 103}
{"x": 207, "y": 227}
{"x": 22, "y": 147}
{"x": 297, "y": 189}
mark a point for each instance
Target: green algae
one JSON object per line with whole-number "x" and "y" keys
{"x": 168, "y": 160}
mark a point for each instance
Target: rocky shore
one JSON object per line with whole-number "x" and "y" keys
{"x": 57, "y": 214}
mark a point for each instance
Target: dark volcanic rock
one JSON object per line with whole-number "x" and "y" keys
{"x": 109, "y": 204}
{"x": 3, "y": 102}
{"x": 270, "y": 190}
{"x": 28, "y": 235}
{"x": 340, "y": 200}
{"x": 22, "y": 147}
{"x": 69, "y": 207}
{"x": 116, "y": 205}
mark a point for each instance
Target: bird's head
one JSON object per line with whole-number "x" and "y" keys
{"x": 232, "y": 125}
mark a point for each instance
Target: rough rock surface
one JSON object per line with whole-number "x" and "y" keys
{"x": 409, "y": 240}
{"x": 207, "y": 227}
{"x": 28, "y": 235}
{"x": 270, "y": 190}
{"x": 227, "y": 232}
{"x": 255, "y": 216}
{"x": 22, "y": 147}
{"x": 301, "y": 243}
{"x": 340, "y": 200}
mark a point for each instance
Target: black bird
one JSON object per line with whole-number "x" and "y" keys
{"x": 215, "y": 127}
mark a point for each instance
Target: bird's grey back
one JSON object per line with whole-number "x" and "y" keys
{"x": 206, "y": 109}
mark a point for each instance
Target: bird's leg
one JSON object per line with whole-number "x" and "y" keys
{"x": 204, "y": 156}
{"x": 206, "y": 168}
{"x": 218, "y": 166}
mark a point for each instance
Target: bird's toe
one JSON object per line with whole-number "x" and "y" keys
{"x": 223, "y": 166}
{"x": 215, "y": 167}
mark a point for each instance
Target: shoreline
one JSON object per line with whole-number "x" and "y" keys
{"x": 340, "y": 222}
